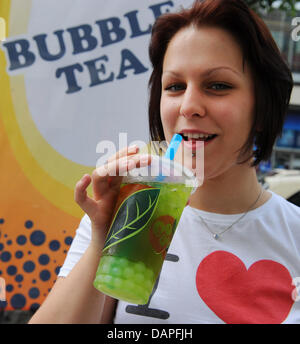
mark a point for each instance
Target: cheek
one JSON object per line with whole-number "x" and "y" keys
{"x": 235, "y": 116}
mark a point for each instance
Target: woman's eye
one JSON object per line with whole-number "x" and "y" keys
{"x": 219, "y": 86}
{"x": 174, "y": 87}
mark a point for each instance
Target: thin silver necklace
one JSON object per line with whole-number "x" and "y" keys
{"x": 217, "y": 236}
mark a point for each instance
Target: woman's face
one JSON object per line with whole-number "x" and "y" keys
{"x": 206, "y": 89}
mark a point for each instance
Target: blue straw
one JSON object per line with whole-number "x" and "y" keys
{"x": 173, "y": 147}
{"x": 171, "y": 151}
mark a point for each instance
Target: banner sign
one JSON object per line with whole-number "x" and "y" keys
{"x": 73, "y": 74}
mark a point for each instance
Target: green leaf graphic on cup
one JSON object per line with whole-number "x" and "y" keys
{"x": 132, "y": 216}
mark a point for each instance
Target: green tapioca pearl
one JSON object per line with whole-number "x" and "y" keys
{"x": 118, "y": 282}
{"x": 119, "y": 261}
{"x": 107, "y": 259}
{"x": 104, "y": 267}
{"x": 116, "y": 271}
{"x": 129, "y": 285}
{"x": 139, "y": 278}
{"x": 123, "y": 262}
{"x": 107, "y": 280}
{"x": 128, "y": 272}
{"x": 139, "y": 267}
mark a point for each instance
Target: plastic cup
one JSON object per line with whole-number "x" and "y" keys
{"x": 145, "y": 219}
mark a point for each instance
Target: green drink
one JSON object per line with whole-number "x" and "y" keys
{"x": 146, "y": 216}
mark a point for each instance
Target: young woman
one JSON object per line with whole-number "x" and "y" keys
{"x": 217, "y": 76}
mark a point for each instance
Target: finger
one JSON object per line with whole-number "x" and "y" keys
{"x": 103, "y": 186}
{"x": 122, "y": 165}
{"x": 81, "y": 197}
{"x": 80, "y": 189}
{"x": 109, "y": 177}
{"x": 124, "y": 152}
{"x": 111, "y": 168}
{"x": 142, "y": 160}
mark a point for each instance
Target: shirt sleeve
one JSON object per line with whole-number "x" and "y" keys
{"x": 78, "y": 246}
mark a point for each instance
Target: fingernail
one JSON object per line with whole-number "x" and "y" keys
{"x": 133, "y": 149}
{"x": 83, "y": 177}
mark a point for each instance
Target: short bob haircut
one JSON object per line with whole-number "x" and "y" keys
{"x": 273, "y": 81}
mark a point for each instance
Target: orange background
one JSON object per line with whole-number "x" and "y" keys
{"x": 21, "y": 202}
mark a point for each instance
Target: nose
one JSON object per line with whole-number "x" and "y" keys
{"x": 192, "y": 103}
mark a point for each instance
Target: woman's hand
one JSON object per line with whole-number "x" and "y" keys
{"x": 106, "y": 181}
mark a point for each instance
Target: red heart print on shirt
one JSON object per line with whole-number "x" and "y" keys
{"x": 259, "y": 295}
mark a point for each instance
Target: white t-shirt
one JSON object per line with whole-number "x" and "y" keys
{"x": 246, "y": 276}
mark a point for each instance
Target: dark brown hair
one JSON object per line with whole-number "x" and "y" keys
{"x": 272, "y": 78}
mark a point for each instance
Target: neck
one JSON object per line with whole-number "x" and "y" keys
{"x": 231, "y": 193}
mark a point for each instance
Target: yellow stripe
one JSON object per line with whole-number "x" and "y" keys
{"x": 4, "y": 12}
{"x": 19, "y": 14}
{"x": 57, "y": 187}
{"x": 56, "y": 165}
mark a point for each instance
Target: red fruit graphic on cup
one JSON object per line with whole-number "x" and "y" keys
{"x": 161, "y": 232}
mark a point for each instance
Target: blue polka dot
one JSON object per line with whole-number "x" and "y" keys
{"x": 19, "y": 278}
{"x": 18, "y": 301}
{"x": 45, "y": 275}
{"x": 19, "y": 254}
{"x": 68, "y": 240}
{"x": 34, "y": 307}
{"x": 44, "y": 259}
{"x": 34, "y": 293}
{"x": 37, "y": 238}
{"x": 57, "y": 270}
{"x": 34, "y": 281}
{"x": 8, "y": 242}
{"x": 28, "y": 224}
{"x": 5, "y": 256}
{"x": 9, "y": 288}
{"x": 11, "y": 270}
{"x": 1, "y": 221}
{"x": 54, "y": 245}
{"x": 21, "y": 239}
{"x": 29, "y": 266}
{"x": 1, "y": 247}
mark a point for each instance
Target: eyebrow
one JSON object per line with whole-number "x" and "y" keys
{"x": 208, "y": 72}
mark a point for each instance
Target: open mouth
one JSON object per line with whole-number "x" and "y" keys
{"x": 197, "y": 137}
